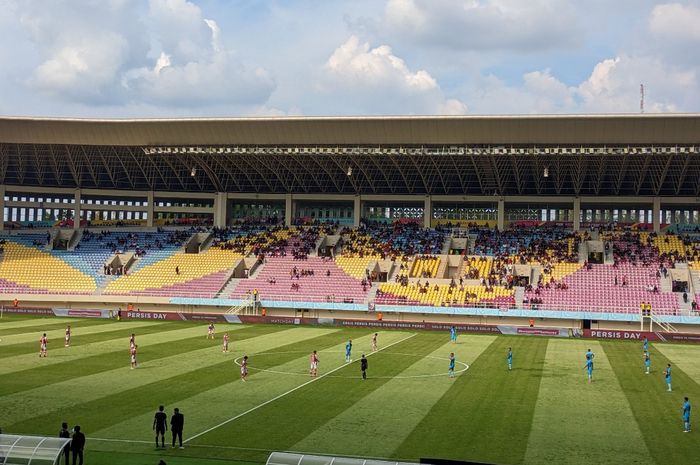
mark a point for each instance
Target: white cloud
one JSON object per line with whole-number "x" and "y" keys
{"x": 382, "y": 80}
{"x": 675, "y": 21}
{"x": 101, "y": 53}
{"x": 614, "y": 86}
{"x": 485, "y": 24}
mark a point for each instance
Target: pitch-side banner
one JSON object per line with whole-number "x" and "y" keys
{"x": 639, "y": 335}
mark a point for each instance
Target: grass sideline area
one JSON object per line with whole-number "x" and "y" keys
{"x": 543, "y": 411}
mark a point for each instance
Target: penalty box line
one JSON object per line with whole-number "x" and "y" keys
{"x": 252, "y": 409}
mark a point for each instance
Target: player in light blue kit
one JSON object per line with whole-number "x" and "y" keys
{"x": 451, "y": 368}
{"x": 348, "y": 351}
{"x": 686, "y": 416}
{"x": 589, "y": 367}
{"x": 667, "y": 375}
{"x": 590, "y": 356}
{"x": 647, "y": 361}
{"x": 645, "y": 344}
{"x": 509, "y": 358}
{"x": 453, "y": 334}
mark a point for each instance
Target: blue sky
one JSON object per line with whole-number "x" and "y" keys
{"x": 180, "y": 58}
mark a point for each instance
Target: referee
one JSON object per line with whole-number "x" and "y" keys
{"x": 363, "y": 366}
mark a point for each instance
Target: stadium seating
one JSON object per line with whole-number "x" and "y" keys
{"x": 274, "y": 282}
{"x": 595, "y": 290}
{"x": 200, "y": 275}
{"x": 355, "y": 266}
{"x": 37, "y": 271}
{"x": 441, "y": 295}
{"x": 425, "y": 267}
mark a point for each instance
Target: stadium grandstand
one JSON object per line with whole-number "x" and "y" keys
{"x": 571, "y": 220}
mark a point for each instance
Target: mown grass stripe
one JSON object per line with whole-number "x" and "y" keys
{"x": 56, "y": 336}
{"x": 21, "y": 408}
{"x": 685, "y": 357}
{"x": 159, "y": 346}
{"x": 403, "y": 401}
{"x": 234, "y": 397}
{"x": 278, "y": 423}
{"x": 88, "y": 345}
{"x": 577, "y": 422}
{"x": 657, "y": 412}
{"x": 501, "y": 404}
{"x": 31, "y": 325}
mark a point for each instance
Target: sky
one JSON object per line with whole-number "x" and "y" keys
{"x": 231, "y": 58}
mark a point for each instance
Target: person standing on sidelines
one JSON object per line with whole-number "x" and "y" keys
{"x": 67, "y": 344}
{"x": 453, "y": 334}
{"x": 77, "y": 445}
{"x": 313, "y": 358}
{"x": 374, "y": 343}
{"x": 225, "y": 342}
{"x": 160, "y": 425}
{"x": 363, "y": 366}
{"x": 509, "y": 358}
{"x": 43, "y": 342}
{"x": 177, "y": 425}
{"x": 451, "y": 366}
{"x": 65, "y": 434}
{"x": 686, "y": 416}
{"x": 647, "y": 362}
{"x": 244, "y": 368}
{"x": 348, "y": 351}
{"x": 667, "y": 375}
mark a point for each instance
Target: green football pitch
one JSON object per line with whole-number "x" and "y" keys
{"x": 543, "y": 411}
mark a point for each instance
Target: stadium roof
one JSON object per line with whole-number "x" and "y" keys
{"x": 443, "y": 155}
{"x": 390, "y": 130}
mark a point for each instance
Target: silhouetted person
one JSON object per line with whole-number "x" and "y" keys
{"x": 160, "y": 425}
{"x": 77, "y": 445}
{"x": 64, "y": 433}
{"x": 177, "y": 423}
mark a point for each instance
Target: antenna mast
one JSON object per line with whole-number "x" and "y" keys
{"x": 641, "y": 98}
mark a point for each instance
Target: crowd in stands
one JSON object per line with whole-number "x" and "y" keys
{"x": 392, "y": 240}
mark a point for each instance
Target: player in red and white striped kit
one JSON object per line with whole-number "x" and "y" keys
{"x": 313, "y": 371}
{"x": 133, "y": 356}
{"x": 42, "y": 345}
{"x": 225, "y": 342}
{"x": 244, "y": 368}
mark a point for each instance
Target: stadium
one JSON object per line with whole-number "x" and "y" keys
{"x": 547, "y": 235}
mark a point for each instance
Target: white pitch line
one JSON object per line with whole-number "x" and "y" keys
{"x": 288, "y": 392}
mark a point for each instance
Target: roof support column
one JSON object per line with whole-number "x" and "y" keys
{"x": 220, "y": 201}
{"x": 357, "y": 211}
{"x": 501, "y": 218}
{"x": 76, "y": 210}
{"x": 149, "y": 209}
{"x": 656, "y": 214}
{"x": 288, "y": 209}
{"x": 2, "y": 207}
{"x": 427, "y": 211}
{"x": 577, "y": 214}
